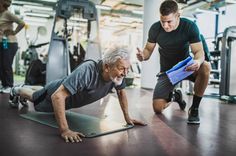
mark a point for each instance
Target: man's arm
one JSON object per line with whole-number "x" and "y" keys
{"x": 147, "y": 51}
{"x": 58, "y": 103}
{"x": 124, "y": 106}
{"x": 199, "y": 56}
{"x": 123, "y": 103}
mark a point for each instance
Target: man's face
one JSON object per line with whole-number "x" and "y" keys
{"x": 119, "y": 70}
{"x": 170, "y": 22}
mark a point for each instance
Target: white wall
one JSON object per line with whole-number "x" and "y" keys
{"x": 31, "y": 32}
{"x": 206, "y": 22}
{"x": 229, "y": 19}
{"x": 151, "y": 67}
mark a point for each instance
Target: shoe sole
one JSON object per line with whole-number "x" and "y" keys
{"x": 24, "y": 103}
{"x": 12, "y": 102}
{"x": 183, "y": 103}
{"x": 13, "y": 105}
{"x": 193, "y": 122}
{"x": 181, "y": 97}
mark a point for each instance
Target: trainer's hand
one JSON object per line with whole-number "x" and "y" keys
{"x": 194, "y": 67}
{"x": 139, "y": 55}
{"x": 71, "y": 136}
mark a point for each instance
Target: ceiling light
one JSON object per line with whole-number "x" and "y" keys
{"x": 140, "y": 12}
{"x": 78, "y": 19}
{"x": 207, "y": 11}
{"x": 37, "y": 14}
{"x": 103, "y": 7}
{"x": 38, "y": 7}
{"x": 23, "y": 2}
{"x": 49, "y": 0}
{"x": 35, "y": 19}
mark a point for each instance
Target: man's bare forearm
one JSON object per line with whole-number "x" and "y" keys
{"x": 146, "y": 54}
{"x": 123, "y": 102}
{"x": 148, "y": 50}
{"x": 200, "y": 56}
{"x": 59, "y": 111}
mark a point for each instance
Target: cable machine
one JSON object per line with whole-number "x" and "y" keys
{"x": 228, "y": 68}
{"x": 58, "y": 64}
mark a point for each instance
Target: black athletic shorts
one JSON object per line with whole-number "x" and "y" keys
{"x": 41, "y": 101}
{"x": 164, "y": 88}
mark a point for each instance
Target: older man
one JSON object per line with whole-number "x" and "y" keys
{"x": 90, "y": 82}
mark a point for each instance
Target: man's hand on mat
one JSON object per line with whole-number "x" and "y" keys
{"x": 71, "y": 136}
{"x": 135, "y": 122}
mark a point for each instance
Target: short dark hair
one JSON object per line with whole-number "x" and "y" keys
{"x": 168, "y": 6}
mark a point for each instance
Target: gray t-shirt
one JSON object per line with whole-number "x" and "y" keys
{"x": 85, "y": 84}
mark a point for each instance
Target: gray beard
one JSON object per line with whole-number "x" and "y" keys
{"x": 116, "y": 81}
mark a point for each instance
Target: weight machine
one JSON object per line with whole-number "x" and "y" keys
{"x": 228, "y": 68}
{"x": 58, "y": 64}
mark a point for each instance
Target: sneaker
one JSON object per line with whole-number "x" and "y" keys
{"x": 193, "y": 116}
{"x": 13, "y": 99}
{"x": 6, "y": 90}
{"x": 23, "y": 101}
{"x": 1, "y": 88}
{"x": 178, "y": 97}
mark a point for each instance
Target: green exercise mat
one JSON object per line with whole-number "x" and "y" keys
{"x": 88, "y": 125}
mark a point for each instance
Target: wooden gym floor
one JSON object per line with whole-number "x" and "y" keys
{"x": 165, "y": 135}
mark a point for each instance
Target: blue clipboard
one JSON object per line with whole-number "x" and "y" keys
{"x": 178, "y": 72}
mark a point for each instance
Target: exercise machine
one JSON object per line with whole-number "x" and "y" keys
{"x": 228, "y": 71}
{"x": 215, "y": 60}
{"x": 58, "y": 64}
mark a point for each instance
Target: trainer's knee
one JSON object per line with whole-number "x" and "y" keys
{"x": 205, "y": 69}
{"x": 159, "y": 105}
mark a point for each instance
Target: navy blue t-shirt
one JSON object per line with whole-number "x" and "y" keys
{"x": 174, "y": 45}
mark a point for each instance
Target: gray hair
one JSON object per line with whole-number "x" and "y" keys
{"x": 114, "y": 54}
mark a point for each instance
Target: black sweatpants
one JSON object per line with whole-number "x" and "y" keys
{"x": 6, "y": 60}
